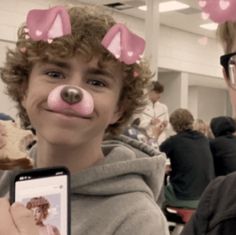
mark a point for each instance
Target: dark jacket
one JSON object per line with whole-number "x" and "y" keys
{"x": 191, "y": 163}
{"x": 216, "y": 213}
{"x": 223, "y": 147}
{"x": 224, "y": 153}
{"x": 222, "y": 125}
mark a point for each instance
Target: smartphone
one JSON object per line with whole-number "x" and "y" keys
{"x": 45, "y": 191}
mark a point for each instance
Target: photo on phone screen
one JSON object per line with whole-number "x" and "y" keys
{"x": 46, "y": 192}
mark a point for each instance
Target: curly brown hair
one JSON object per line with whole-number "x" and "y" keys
{"x": 89, "y": 25}
{"x": 181, "y": 120}
{"x": 40, "y": 202}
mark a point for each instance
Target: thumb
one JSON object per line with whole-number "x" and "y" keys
{"x": 23, "y": 220}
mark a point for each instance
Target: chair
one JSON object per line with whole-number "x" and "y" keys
{"x": 178, "y": 217}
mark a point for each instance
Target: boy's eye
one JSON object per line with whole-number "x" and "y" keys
{"x": 55, "y": 74}
{"x": 96, "y": 83}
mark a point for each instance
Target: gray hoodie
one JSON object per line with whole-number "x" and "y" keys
{"x": 118, "y": 196}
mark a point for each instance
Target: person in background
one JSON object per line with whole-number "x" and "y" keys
{"x": 216, "y": 213}
{"x": 223, "y": 146}
{"x": 201, "y": 126}
{"x": 191, "y": 162}
{"x": 73, "y": 88}
{"x": 155, "y": 117}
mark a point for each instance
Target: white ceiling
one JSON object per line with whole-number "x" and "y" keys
{"x": 187, "y": 20}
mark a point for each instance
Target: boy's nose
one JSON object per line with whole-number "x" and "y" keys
{"x": 71, "y": 95}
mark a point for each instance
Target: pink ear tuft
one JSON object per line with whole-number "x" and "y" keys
{"x": 123, "y": 44}
{"x": 219, "y": 11}
{"x": 48, "y": 24}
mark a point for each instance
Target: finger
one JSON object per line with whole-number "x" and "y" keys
{"x": 7, "y": 225}
{"x": 23, "y": 219}
{"x": 2, "y": 141}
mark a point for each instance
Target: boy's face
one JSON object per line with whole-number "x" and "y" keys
{"x": 103, "y": 84}
{"x": 154, "y": 96}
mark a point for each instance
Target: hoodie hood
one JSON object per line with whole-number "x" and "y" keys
{"x": 129, "y": 166}
{"x": 222, "y": 126}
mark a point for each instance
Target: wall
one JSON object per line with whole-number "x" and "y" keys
{"x": 206, "y": 102}
{"x": 181, "y": 51}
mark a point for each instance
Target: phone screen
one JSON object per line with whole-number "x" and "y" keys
{"x": 45, "y": 192}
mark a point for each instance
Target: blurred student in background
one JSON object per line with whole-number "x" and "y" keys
{"x": 223, "y": 146}
{"x": 191, "y": 162}
{"x": 155, "y": 117}
{"x": 202, "y": 126}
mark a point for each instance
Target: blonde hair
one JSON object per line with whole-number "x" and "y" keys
{"x": 226, "y": 33}
{"x": 201, "y": 126}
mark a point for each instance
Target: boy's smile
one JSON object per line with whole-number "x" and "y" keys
{"x": 67, "y": 127}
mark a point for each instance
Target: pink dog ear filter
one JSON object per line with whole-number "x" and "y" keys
{"x": 55, "y": 22}
{"x": 66, "y": 97}
{"x": 123, "y": 44}
{"x": 48, "y": 24}
{"x": 218, "y": 11}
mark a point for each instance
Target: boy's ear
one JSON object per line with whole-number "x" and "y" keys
{"x": 117, "y": 114}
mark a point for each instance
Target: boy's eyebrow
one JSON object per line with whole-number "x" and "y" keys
{"x": 98, "y": 71}
{"x": 94, "y": 71}
{"x": 59, "y": 63}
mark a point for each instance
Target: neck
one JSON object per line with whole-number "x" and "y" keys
{"x": 74, "y": 158}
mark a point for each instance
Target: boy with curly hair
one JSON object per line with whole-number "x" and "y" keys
{"x": 115, "y": 183}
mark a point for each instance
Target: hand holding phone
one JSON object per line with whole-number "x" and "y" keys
{"x": 45, "y": 191}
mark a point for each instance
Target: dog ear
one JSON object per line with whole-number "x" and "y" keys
{"x": 123, "y": 44}
{"x": 48, "y": 24}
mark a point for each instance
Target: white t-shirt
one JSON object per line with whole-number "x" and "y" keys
{"x": 155, "y": 110}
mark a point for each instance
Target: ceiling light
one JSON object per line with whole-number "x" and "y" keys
{"x": 168, "y": 6}
{"x": 143, "y": 8}
{"x": 209, "y": 26}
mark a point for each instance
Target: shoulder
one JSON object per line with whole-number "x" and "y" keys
{"x": 219, "y": 192}
{"x": 163, "y": 106}
{"x": 216, "y": 205}
{"x": 145, "y": 218}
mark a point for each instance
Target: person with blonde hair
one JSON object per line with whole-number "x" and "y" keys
{"x": 201, "y": 126}
{"x": 191, "y": 161}
{"x": 216, "y": 214}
